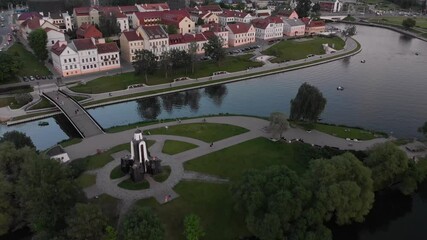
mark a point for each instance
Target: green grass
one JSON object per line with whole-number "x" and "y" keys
{"x": 117, "y": 173}
{"x": 203, "y": 69}
{"x": 69, "y": 142}
{"x": 343, "y": 131}
{"x": 172, "y": 147}
{"x": 257, "y": 153}
{"x": 43, "y": 103}
{"x": 207, "y": 132}
{"x": 397, "y": 20}
{"x": 31, "y": 66}
{"x": 86, "y": 180}
{"x": 108, "y": 205}
{"x": 349, "y": 18}
{"x": 166, "y": 171}
{"x": 4, "y": 102}
{"x": 294, "y": 49}
{"x": 122, "y": 128}
{"x": 211, "y": 202}
{"x": 130, "y": 185}
{"x": 101, "y": 159}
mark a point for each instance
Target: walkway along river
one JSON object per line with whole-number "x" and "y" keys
{"x": 386, "y": 93}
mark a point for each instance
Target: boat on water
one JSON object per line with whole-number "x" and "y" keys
{"x": 363, "y": 61}
{"x": 340, "y": 88}
{"x": 42, "y": 123}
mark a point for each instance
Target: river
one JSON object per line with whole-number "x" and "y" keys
{"x": 387, "y": 93}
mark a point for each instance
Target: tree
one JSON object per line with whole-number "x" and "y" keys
{"x": 111, "y": 233}
{"x": 145, "y": 63}
{"x": 276, "y": 204}
{"x": 348, "y": 32}
{"x": 19, "y": 139}
{"x": 86, "y": 222}
{"x": 171, "y": 29}
{"x": 278, "y": 123}
{"x": 342, "y": 187}
{"x": 9, "y": 66}
{"x": 308, "y": 104}
{"x": 416, "y": 174}
{"x": 37, "y": 41}
{"x": 166, "y": 62}
{"x": 108, "y": 25}
{"x": 388, "y": 164}
{"x": 200, "y": 22}
{"x": 303, "y": 8}
{"x": 192, "y": 52}
{"x": 6, "y": 215}
{"x": 46, "y": 193}
{"x": 142, "y": 224}
{"x": 423, "y": 129}
{"x": 192, "y": 227}
{"x": 408, "y": 23}
{"x": 214, "y": 49}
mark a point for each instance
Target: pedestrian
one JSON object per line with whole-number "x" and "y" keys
{"x": 211, "y": 144}
{"x": 170, "y": 85}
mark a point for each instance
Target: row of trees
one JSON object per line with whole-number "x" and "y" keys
{"x": 278, "y": 203}
{"x": 306, "y": 8}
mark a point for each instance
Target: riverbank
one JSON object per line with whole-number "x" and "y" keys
{"x": 352, "y": 48}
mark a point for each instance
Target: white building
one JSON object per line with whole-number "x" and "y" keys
{"x": 58, "y": 153}
{"x": 234, "y": 16}
{"x": 53, "y": 36}
{"x": 88, "y": 54}
{"x": 268, "y": 28}
{"x": 155, "y": 39}
{"x": 240, "y": 34}
{"x": 67, "y": 22}
{"x": 293, "y": 27}
{"x": 65, "y": 59}
{"x": 130, "y": 43}
{"x": 108, "y": 56}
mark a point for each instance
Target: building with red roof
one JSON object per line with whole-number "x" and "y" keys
{"x": 268, "y": 28}
{"x": 240, "y": 34}
{"x": 108, "y": 56}
{"x": 183, "y": 41}
{"x": 214, "y": 29}
{"x": 152, "y": 7}
{"x": 146, "y": 18}
{"x": 216, "y": 9}
{"x": 180, "y": 20}
{"x": 28, "y": 15}
{"x": 155, "y": 38}
{"x": 65, "y": 60}
{"x": 130, "y": 43}
{"x": 229, "y": 16}
{"x": 313, "y": 26}
{"x": 87, "y": 30}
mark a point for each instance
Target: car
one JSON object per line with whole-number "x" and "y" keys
{"x": 44, "y": 77}
{"x": 25, "y": 79}
{"x": 32, "y": 78}
{"x": 38, "y": 77}
{"x": 310, "y": 55}
{"x": 205, "y": 58}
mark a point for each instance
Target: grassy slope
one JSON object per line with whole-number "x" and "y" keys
{"x": 203, "y": 69}
{"x": 294, "y": 50}
{"x": 342, "y": 131}
{"x": 207, "y": 132}
{"x": 116, "y": 173}
{"x": 174, "y": 147}
{"x": 130, "y": 185}
{"x": 86, "y": 180}
{"x": 30, "y": 65}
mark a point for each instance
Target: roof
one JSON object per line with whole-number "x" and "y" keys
{"x": 33, "y": 23}
{"x": 228, "y": 13}
{"x": 173, "y": 18}
{"x": 56, "y": 15}
{"x": 58, "y": 48}
{"x": 238, "y": 28}
{"x": 54, "y": 151}
{"x": 48, "y": 29}
{"x": 84, "y": 44}
{"x": 210, "y": 8}
{"x": 187, "y": 38}
{"x": 216, "y": 27}
{"x": 310, "y": 23}
{"x": 129, "y": 9}
{"x": 87, "y": 30}
{"x": 263, "y": 23}
{"x": 107, "y": 48}
{"x": 155, "y": 6}
{"x": 263, "y": 14}
{"x": 142, "y": 16}
{"x": 27, "y": 15}
{"x": 154, "y": 32}
{"x": 82, "y": 11}
{"x": 132, "y": 36}
{"x": 293, "y": 22}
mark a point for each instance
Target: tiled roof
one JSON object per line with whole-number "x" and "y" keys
{"x": 107, "y": 48}
{"x": 216, "y": 27}
{"x": 293, "y": 22}
{"x": 310, "y": 23}
{"x": 84, "y": 44}
{"x": 132, "y": 36}
{"x": 27, "y": 15}
{"x": 82, "y": 11}
{"x": 208, "y": 34}
{"x": 229, "y": 13}
{"x": 142, "y": 16}
{"x": 187, "y": 38}
{"x": 56, "y": 15}
{"x": 128, "y": 9}
{"x": 155, "y": 6}
{"x": 58, "y": 48}
{"x": 210, "y": 8}
{"x": 33, "y": 23}
{"x": 87, "y": 30}
{"x": 238, "y": 28}
{"x": 154, "y": 32}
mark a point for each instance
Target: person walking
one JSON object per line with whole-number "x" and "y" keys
{"x": 211, "y": 144}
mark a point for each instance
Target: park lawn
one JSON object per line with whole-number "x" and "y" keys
{"x": 130, "y": 185}
{"x": 31, "y": 66}
{"x": 342, "y": 131}
{"x": 43, "y": 103}
{"x": 202, "y": 69}
{"x": 172, "y": 147}
{"x": 166, "y": 171}
{"x": 257, "y": 153}
{"x": 4, "y": 102}
{"x": 117, "y": 173}
{"x": 211, "y": 202}
{"x": 207, "y": 132}
{"x": 86, "y": 180}
{"x": 69, "y": 142}
{"x": 108, "y": 205}
{"x": 296, "y": 49}
{"x": 397, "y": 20}
{"x": 122, "y": 128}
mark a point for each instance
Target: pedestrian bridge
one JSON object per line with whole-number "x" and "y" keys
{"x": 82, "y": 121}
{"x": 333, "y": 17}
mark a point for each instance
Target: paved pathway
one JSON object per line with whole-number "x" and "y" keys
{"x": 256, "y": 127}
{"x": 76, "y": 114}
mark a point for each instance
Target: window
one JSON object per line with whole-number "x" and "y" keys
{"x": 74, "y": 59}
{"x": 84, "y": 67}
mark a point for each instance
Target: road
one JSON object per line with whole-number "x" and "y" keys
{"x": 6, "y": 29}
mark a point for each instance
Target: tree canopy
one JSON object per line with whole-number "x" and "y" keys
{"x": 86, "y": 222}
{"x": 308, "y": 103}
{"x": 145, "y": 63}
{"x": 37, "y": 41}
{"x": 278, "y": 123}
{"x": 9, "y": 66}
{"x": 423, "y": 129}
{"x": 108, "y": 25}
{"x": 192, "y": 227}
{"x": 214, "y": 49}
{"x": 142, "y": 224}
{"x": 18, "y": 138}
{"x": 408, "y": 23}
{"x": 303, "y": 8}
{"x": 388, "y": 163}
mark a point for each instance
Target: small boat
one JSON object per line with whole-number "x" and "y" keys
{"x": 340, "y": 88}
{"x": 416, "y": 54}
{"x": 42, "y": 123}
{"x": 363, "y": 61}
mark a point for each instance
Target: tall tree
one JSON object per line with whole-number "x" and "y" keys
{"x": 409, "y": 23}
{"x": 278, "y": 123}
{"x": 214, "y": 49}
{"x": 145, "y": 63}
{"x": 142, "y": 224}
{"x": 108, "y": 25}
{"x": 9, "y": 66}
{"x": 192, "y": 51}
{"x": 416, "y": 173}
{"x": 165, "y": 62}
{"x": 37, "y": 41}
{"x": 388, "y": 164}
{"x": 342, "y": 187}
{"x": 86, "y": 222}
{"x": 192, "y": 227}
{"x": 308, "y": 103}
{"x": 47, "y": 194}
{"x": 6, "y": 215}
{"x": 171, "y": 29}
{"x": 423, "y": 129}
{"x": 303, "y": 8}
{"x": 18, "y": 138}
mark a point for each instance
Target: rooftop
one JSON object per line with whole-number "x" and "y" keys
{"x": 107, "y": 48}
{"x": 84, "y": 44}
{"x": 154, "y": 32}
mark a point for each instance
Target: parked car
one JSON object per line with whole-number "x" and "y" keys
{"x": 44, "y": 77}
{"x": 32, "y": 78}
{"x": 25, "y": 79}
{"x": 38, "y": 77}
{"x": 205, "y": 58}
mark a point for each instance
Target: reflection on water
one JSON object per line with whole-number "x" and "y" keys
{"x": 216, "y": 93}
{"x": 149, "y": 108}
